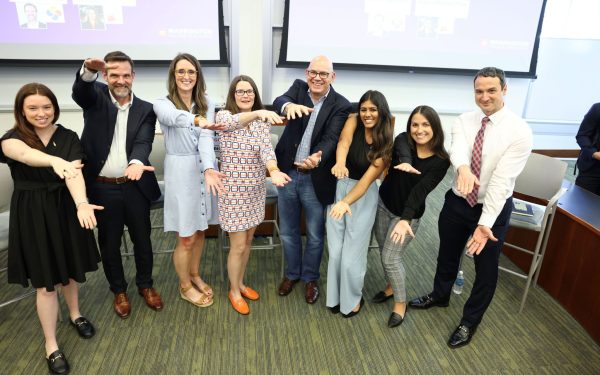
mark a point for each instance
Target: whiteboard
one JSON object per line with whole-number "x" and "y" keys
{"x": 568, "y": 80}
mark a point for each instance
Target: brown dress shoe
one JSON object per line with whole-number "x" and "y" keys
{"x": 121, "y": 305}
{"x": 311, "y": 290}
{"x": 286, "y": 286}
{"x": 152, "y": 298}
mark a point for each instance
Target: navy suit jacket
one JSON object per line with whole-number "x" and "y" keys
{"x": 325, "y": 136}
{"x": 588, "y": 138}
{"x": 100, "y": 116}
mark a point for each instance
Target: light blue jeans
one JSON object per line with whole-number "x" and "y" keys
{"x": 297, "y": 195}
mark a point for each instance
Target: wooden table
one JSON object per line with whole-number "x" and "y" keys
{"x": 571, "y": 267}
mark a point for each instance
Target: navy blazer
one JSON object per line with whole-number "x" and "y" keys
{"x": 325, "y": 136}
{"x": 100, "y": 117}
{"x": 588, "y": 138}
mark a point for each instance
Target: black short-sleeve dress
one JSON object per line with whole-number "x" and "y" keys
{"x": 46, "y": 244}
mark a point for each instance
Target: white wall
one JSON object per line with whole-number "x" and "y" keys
{"x": 254, "y": 38}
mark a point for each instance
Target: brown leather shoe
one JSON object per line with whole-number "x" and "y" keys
{"x": 121, "y": 305}
{"x": 311, "y": 290}
{"x": 152, "y": 298}
{"x": 286, "y": 286}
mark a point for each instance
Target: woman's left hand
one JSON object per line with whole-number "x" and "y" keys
{"x": 400, "y": 231}
{"x": 279, "y": 179}
{"x": 339, "y": 210}
{"x": 85, "y": 214}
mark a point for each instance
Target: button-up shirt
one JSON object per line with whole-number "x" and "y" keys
{"x": 506, "y": 146}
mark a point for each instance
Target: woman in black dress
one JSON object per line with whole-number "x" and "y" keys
{"x": 50, "y": 238}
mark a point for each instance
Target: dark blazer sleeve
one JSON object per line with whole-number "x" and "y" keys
{"x": 292, "y": 133}
{"x": 141, "y": 124}
{"x": 588, "y": 138}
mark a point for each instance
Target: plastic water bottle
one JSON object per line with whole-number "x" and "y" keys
{"x": 459, "y": 283}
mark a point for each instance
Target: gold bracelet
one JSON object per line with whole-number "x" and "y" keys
{"x": 271, "y": 170}
{"x": 197, "y": 120}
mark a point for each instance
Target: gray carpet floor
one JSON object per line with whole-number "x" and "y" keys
{"x": 284, "y": 335}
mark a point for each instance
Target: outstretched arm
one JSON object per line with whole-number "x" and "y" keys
{"x": 21, "y": 152}
{"x": 339, "y": 170}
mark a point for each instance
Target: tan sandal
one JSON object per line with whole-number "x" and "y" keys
{"x": 203, "y": 301}
{"x": 207, "y": 290}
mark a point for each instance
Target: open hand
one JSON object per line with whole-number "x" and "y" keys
{"x": 85, "y": 214}
{"x": 134, "y": 171}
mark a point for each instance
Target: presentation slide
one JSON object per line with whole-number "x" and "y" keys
{"x": 437, "y": 34}
{"x": 149, "y": 30}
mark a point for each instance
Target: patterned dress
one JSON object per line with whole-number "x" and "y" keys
{"x": 244, "y": 154}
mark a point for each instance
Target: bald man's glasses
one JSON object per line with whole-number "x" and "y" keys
{"x": 314, "y": 73}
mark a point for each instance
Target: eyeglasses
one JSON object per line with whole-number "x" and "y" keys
{"x": 182, "y": 72}
{"x": 314, "y": 73}
{"x": 248, "y": 92}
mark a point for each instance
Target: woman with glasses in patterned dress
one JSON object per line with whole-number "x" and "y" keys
{"x": 246, "y": 152}
{"x": 186, "y": 120}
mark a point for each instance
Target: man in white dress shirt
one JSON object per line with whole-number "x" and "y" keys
{"x": 489, "y": 150}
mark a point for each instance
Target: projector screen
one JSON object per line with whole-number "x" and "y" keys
{"x": 445, "y": 36}
{"x": 147, "y": 30}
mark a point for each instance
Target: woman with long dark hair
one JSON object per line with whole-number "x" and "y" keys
{"x": 363, "y": 152}
{"x": 50, "y": 243}
{"x": 402, "y": 199}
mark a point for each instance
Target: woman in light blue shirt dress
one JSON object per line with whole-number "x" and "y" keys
{"x": 186, "y": 117}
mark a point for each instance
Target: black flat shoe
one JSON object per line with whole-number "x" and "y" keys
{"x": 57, "y": 363}
{"x": 395, "y": 320}
{"x": 352, "y": 313}
{"x": 335, "y": 309}
{"x": 83, "y": 327}
{"x": 428, "y": 301}
{"x": 381, "y": 297}
{"x": 461, "y": 336}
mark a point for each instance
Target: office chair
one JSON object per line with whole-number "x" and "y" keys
{"x": 542, "y": 181}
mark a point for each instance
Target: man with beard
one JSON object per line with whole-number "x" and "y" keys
{"x": 117, "y": 139}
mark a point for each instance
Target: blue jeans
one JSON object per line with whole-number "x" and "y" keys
{"x": 294, "y": 197}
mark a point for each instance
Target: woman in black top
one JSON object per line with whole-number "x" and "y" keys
{"x": 362, "y": 153}
{"x": 402, "y": 198}
{"x": 50, "y": 242}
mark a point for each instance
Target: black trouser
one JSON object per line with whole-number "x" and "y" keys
{"x": 456, "y": 223}
{"x": 124, "y": 204}
{"x": 590, "y": 179}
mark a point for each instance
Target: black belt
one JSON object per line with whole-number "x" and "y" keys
{"x": 112, "y": 180}
{"x": 302, "y": 170}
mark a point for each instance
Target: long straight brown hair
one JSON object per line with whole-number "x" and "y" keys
{"x": 198, "y": 92}
{"x": 24, "y": 127}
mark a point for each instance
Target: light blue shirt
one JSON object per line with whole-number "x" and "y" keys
{"x": 304, "y": 148}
